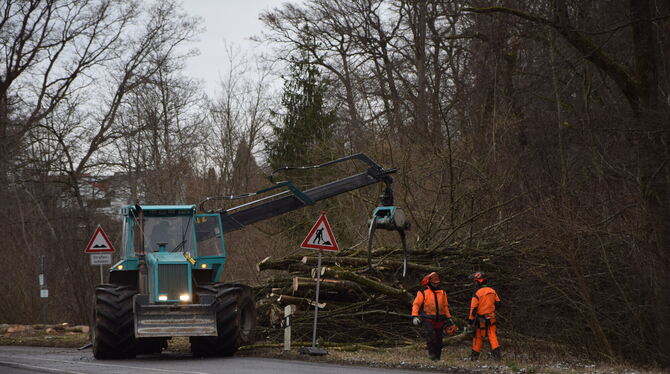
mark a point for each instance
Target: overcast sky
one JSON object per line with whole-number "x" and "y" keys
{"x": 231, "y": 21}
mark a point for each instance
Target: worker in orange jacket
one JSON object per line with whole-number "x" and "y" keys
{"x": 431, "y": 308}
{"x": 482, "y": 316}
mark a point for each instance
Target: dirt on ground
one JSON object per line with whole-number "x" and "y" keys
{"x": 59, "y": 335}
{"x": 455, "y": 358}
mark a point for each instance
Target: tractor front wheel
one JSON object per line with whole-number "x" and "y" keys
{"x": 235, "y": 320}
{"x": 113, "y": 331}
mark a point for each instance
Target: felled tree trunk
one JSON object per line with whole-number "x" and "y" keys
{"x": 330, "y": 289}
{"x": 303, "y": 302}
{"x": 290, "y": 264}
{"x": 300, "y": 283}
{"x": 283, "y": 283}
{"x": 362, "y": 262}
{"x": 366, "y": 283}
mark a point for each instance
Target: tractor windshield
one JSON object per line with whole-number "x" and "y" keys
{"x": 166, "y": 234}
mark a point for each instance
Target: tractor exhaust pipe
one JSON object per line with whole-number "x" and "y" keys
{"x": 143, "y": 277}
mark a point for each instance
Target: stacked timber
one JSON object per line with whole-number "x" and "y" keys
{"x": 358, "y": 304}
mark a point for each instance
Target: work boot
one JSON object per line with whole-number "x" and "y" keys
{"x": 496, "y": 354}
{"x": 474, "y": 356}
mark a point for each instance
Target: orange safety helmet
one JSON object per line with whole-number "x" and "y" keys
{"x": 478, "y": 277}
{"x": 432, "y": 277}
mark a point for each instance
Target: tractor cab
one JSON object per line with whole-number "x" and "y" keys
{"x": 178, "y": 247}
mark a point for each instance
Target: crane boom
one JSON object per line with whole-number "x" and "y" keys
{"x": 237, "y": 217}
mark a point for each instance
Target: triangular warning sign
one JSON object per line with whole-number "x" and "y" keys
{"x": 99, "y": 242}
{"x": 320, "y": 236}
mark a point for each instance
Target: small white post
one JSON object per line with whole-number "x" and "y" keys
{"x": 288, "y": 312}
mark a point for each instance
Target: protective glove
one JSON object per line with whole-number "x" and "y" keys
{"x": 416, "y": 321}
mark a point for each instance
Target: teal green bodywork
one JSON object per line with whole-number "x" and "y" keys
{"x": 162, "y": 258}
{"x": 200, "y": 237}
{"x": 384, "y": 214}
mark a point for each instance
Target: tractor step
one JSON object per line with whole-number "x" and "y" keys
{"x": 165, "y": 320}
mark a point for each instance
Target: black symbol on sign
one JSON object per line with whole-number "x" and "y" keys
{"x": 100, "y": 246}
{"x": 318, "y": 238}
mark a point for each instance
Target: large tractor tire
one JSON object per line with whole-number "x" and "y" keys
{"x": 113, "y": 332}
{"x": 235, "y": 320}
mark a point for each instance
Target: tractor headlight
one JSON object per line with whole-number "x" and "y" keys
{"x": 204, "y": 266}
{"x": 162, "y": 297}
{"x": 185, "y": 297}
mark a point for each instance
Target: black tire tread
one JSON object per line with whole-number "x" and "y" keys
{"x": 230, "y": 337}
{"x": 114, "y": 329}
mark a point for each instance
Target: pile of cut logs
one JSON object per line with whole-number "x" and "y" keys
{"x": 357, "y": 304}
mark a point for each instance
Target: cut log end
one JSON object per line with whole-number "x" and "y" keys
{"x": 258, "y": 265}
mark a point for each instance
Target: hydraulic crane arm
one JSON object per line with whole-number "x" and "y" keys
{"x": 291, "y": 199}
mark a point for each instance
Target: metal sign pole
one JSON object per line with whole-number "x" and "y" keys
{"x": 43, "y": 287}
{"x": 316, "y": 305}
{"x": 101, "y": 279}
{"x": 321, "y": 238}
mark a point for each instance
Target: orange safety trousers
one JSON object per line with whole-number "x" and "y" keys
{"x": 487, "y": 330}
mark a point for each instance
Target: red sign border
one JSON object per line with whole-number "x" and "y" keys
{"x": 104, "y": 236}
{"x": 305, "y": 243}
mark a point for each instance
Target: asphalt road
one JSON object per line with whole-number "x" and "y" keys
{"x": 28, "y": 360}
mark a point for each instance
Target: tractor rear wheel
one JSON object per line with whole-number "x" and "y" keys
{"x": 235, "y": 320}
{"x": 113, "y": 330}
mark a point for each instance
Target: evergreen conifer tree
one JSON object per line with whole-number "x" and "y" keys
{"x": 303, "y": 130}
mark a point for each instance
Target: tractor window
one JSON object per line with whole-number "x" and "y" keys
{"x": 208, "y": 234}
{"x": 166, "y": 234}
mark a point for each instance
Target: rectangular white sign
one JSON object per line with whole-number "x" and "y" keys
{"x": 101, "y": 258}
{"x": 44, "y": 293}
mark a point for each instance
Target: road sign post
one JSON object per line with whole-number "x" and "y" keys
{"x": 320, "y": 238}
{"x": 101, "y": 259}
{"x": 100, "y": 248}
{"x": 44, "y": 292}
{"x": 316, "y": 307}
{"x": 42, "y": 271}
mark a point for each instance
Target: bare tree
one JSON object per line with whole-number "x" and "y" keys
{"x": 238, "y": 117}
{"x": 69, "y": 67}
{"x": 48, "y": 50}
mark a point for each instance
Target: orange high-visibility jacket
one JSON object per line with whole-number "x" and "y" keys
{"x": 484, "y": 303}
{"x": 435, "y": 304}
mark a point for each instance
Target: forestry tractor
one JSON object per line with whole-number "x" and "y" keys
{"x": 172, "y": 257}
